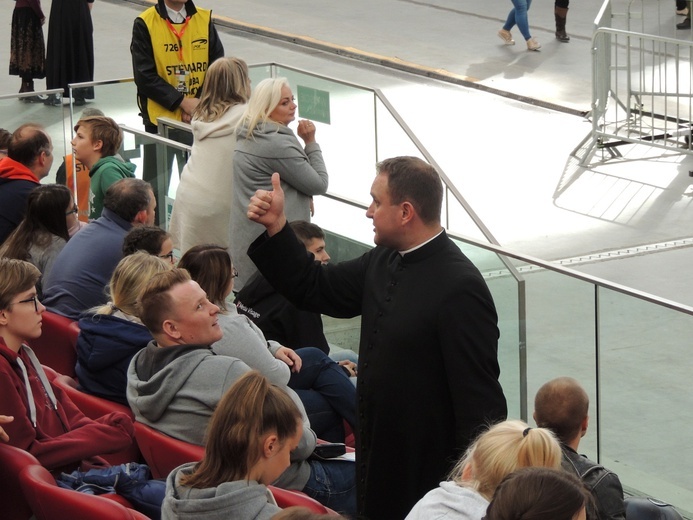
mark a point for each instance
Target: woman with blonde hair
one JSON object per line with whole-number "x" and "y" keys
{"x": 502, "y": 449}
{"x": 112, "y": 334}
{"x": 202, "y": 211}
{"x": 250, "y": 437}
{"x": 266, "y": 145}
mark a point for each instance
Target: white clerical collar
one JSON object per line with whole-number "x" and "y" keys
{"x": 176, "y": 16}
{"x": 421, "y": 245}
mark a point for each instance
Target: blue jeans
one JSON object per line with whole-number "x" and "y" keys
{"x": 321, "y": 381}
{"x": 519, "y": 16}
{"x": 333, "y": 484}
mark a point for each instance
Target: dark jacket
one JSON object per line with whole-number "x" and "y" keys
{"x": 149, "y": 84}
{"x": 105, "y": 346}
{"x": 16, "y": 182}
{"x": 602, "y": 483}
{"x": 278, "y": 318}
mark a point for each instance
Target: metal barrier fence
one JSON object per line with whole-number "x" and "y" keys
{"x": 642, "y": 84}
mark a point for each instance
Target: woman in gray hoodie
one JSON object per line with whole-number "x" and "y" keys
{"x": 250, "y": 438}
{"x": 265, "y": 144}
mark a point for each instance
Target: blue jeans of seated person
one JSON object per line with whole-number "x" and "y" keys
{"x": 333, "y": 484}
{"x": 518, "y": 16}
{"x": 324, "y": 420}
{"x": 327, "y": 378}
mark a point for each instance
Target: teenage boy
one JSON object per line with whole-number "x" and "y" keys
{"x": 96, "y": 141}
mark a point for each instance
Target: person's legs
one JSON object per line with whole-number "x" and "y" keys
{"x": 333, "y": 484}
{"x": 510, "y": 21}
{"x": 320, "y": 373}
{"x": 324, "y": 420}
{"x": 521, "y": 8}
{"x": 561, "y": 14}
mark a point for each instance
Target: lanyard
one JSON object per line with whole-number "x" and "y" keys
{"x": 179, "y": 35}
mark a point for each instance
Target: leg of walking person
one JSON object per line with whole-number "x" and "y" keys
{"x": 320, "y": 373}
{"x": 561, "y": 14}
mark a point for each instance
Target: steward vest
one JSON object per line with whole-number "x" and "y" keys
{"x": 183, "y": 68}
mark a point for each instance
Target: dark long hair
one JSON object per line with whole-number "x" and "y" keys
{"x": 45, "y": 217}
{"x": 210, "y": 266}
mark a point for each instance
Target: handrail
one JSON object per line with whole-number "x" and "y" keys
{"x": 157, "y": 138}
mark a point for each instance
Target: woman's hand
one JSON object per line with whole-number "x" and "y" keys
{"x": 289, "y": 357}
{"x": 306, "y": 131}
{"x": 350, "y": 366}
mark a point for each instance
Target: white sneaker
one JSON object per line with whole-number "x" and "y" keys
{"x": 533, "y": 45}
{"x": 506, "y": 37}
{"x": 682, "y": 12}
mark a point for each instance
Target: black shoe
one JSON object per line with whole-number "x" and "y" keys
{"x": 80, "y": 102}
{"x": 53, "y": 101}
{"x": 686, "y": 24}
{"x": 32, "y": 99}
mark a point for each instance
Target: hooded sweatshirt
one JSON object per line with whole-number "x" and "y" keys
{"x": 451, "y": 502}
{"x": 271, "y": 148}
{"x": 105, "y": 172}
{"x": 176, "y": 389}
{"x": 16, "y": 182}
{"x": 46, "y": 423}
{"x": 105, "y": 347}
{"x": 241, "y": 500}
{"x": 202, "y": 211}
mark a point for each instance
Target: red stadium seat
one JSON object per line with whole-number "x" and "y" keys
{"x": 163, "y": 453}
{"x": 95, "y": 407}
{"x": 50, "y": 502}
{"x": 288, "y": 498}
{"x": 57, "y": 346}
{"x": 12, "y": 462}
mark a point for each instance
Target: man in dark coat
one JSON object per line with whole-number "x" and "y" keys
{"x": 428, "y": 365}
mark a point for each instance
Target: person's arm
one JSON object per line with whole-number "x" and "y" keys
{"x": 309, "y": 176}
{"x": 609, "y": 497}
{"x": 149, "y": 83}
{"x": 467, "y": 325}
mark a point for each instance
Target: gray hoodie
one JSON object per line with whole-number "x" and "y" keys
{"x": 451, "y": 502}
{"x": 239, "y": 500}
{"x": 176, "y": 389}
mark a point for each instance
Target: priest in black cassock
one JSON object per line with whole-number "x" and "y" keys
{"x": 428, "y": 361}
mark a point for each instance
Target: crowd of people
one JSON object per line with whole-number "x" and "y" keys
{"x": 225, "y": 349}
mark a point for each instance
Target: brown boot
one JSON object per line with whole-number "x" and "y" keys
{"x": 561, "y": 15}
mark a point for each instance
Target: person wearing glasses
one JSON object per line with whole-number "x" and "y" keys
{"x": 110, "y": 335}
{"x": 29, "y": 159}
{"x": 44, "y": 231}
{"x": 152, "y": 240}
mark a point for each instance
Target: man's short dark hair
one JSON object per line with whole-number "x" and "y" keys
{"x": 414, "y": 180}
{"x": 561, "y": 405}
{"x": 127, "y": 197}
{"x": 144, "y": 238}
{"x": 27, "y": 143}
{"x": 306, "y": 231}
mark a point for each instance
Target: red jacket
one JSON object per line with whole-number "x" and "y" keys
{"x": 62, "y": 437}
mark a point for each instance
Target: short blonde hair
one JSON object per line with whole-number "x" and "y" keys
{"x": 504, "y": 448}
{"x": 263, "y": 100}
{"x": 129, "y": 279}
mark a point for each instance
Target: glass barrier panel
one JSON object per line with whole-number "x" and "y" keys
{"x": 258, "y": 73}
{"x": 646, "y": 412}
{"x": 345, "y": 129}
{"x": 15, "y": 112}
{"x": 117, "y": 100}
{"x": 392, "y": 140}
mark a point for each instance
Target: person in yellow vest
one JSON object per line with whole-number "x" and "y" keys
{"x": 173, "y": 43}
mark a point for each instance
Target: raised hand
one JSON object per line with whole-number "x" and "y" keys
{"x": 267, "y": 207}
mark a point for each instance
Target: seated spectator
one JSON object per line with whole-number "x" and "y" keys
{"x": 562, "y": 405}
{"x": 29, "y": 159}
{"x": 113, "y": 334}
{"x": 150, "y": 239}
{"x": 45, "y": 229}
{"x": 96, "y": 141}
{"x": 177, "y": 381}
{"x": 323, "y": 386}
{"x": 278, "y": 318}
{"x": 46, "y": 423}
{"x": 251, "y": 435}
{"x": 5, "y": 137}
{"x": 83, "y": 268}
{"x": 539, "y": 494}
{"x": 496, "y": 453}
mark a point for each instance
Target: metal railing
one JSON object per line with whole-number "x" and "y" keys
{"x": 642, "y": 84}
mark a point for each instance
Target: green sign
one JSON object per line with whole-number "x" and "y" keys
{"x": 313, "y": 104}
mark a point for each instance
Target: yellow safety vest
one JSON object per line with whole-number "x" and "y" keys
{"x": 188, "y": 73}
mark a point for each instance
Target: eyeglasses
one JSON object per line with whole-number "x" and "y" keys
{"x": 234, "y": 272}
{"x": 33, "y": 300}
{"x": 74, "y": 210}
{"x": 168, "y": 255}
